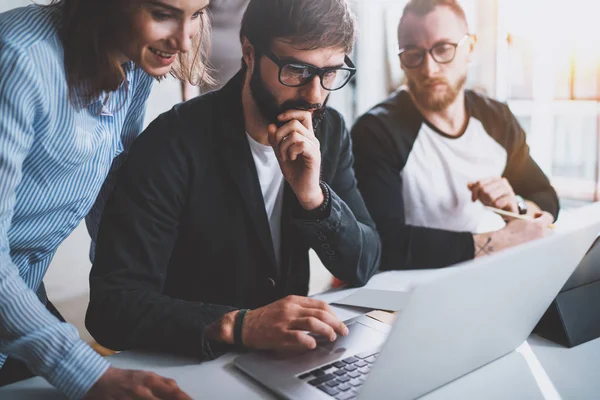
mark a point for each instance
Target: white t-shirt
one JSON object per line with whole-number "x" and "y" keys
{"x": 271, "y": 184}
{"x": 436, "y": 177}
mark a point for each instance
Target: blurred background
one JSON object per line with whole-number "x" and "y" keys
{"x": 542, "y": 57}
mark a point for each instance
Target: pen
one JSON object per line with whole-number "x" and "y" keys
{"x": 513, "y": 215}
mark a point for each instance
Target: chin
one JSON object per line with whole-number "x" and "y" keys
{"x": 157, "y": 72}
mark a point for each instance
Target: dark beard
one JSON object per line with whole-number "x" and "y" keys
{"x": 436, "y": 104}
{"x": 270, "y": 109}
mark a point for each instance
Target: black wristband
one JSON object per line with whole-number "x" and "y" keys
{"x": 326, "y": 196}
{"x": 237, "y": 328}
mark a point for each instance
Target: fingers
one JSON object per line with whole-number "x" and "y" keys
{"x": 298, "y": 340}
{"x": 492, "y": 191}
{"x": 507, "y": 202}
{"x": 337, "y": 326}
{"x": 292, "y": 126}
{"x": 277, "y": 135}
{"x": 142, "y": 393}
{"x": 314, "y": 303}
{"x": 304, "y": 117}
{"x": 164, "y": 388}
{"x": 314, "y": 326}
{"x": 295, "y": 145}
{"x": 319, "y": 309}
{"x": 475, "y": 187}
{"x": 489, "y": 191}
{"x": 484, "y": 181}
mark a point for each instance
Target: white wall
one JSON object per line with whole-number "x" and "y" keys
{"x": 9, "y": 4}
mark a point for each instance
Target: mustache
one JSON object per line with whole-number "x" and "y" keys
{"x": 301, "y": 105}
{"x": 434, "y": 81}
{"x": 318, "y": 110}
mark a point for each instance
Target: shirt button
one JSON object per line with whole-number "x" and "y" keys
{"x": 271, "y": 282}
{"x": 322, "y": 238}
{"x": 325, "y": 246}
{"x": 318, "y": 232}
{"x": 330, "y": 252}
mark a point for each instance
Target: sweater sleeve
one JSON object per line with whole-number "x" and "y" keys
{"x": 139, "y": 228}
{"x": 523, "y": 173}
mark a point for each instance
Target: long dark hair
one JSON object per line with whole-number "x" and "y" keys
{"x": 88, "y": 31}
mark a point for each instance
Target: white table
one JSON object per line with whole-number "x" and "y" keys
{"x": 542, "y": 369}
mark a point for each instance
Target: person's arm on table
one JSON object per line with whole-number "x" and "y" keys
{"x": 514, "y": 233}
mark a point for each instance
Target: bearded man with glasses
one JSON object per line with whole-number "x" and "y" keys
{"x": 432, "y": 158}
{"x": 204, "y": 242}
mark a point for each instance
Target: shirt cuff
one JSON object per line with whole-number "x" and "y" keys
{"x": 79, "y": 371}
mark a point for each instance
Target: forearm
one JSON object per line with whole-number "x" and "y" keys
{"x": 50, "y": 348}
{"x": 127, "y": 319}
{"x": 489, "y": 243}
{"x": 413, "y": 247}
{"x": 222, "y": 329}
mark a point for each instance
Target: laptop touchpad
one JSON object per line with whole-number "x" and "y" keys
{"x": 359, "y": 336}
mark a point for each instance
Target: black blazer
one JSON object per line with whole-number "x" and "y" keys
{"x": 185, "y": 238}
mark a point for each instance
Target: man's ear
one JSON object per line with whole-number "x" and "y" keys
{"x": 248, "y": 53}
{"x": 472, "y": 43}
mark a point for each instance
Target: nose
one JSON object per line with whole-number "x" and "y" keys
{"x": 430, "y": 67}
{"x": 312, "y": 91}
{"x": 182, "y": 39}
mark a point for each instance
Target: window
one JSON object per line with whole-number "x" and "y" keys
{"x": 549, "y": 73}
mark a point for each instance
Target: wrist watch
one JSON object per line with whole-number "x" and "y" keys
{"x": 522, "y": 205}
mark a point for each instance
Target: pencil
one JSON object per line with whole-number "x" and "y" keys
{"x": 513, "y": 215}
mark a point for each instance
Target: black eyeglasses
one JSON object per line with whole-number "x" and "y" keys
{"x": 442, "y": 53}
{"x": 294, "y": 74}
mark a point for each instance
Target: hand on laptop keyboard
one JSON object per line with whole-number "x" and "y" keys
{"x": 282, "y": 325}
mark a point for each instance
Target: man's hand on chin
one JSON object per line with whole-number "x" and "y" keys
{"x": 299, "y": 154}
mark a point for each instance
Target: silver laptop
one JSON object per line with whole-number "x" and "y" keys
{"x": 465, "y": 317}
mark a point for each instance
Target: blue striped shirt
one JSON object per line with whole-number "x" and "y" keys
{"x": 55, "y": 166}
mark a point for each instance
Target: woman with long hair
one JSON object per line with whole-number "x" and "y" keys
{"x": 74, "y": 79}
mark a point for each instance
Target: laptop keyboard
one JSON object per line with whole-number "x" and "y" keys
{"x": 341, "y": 379}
